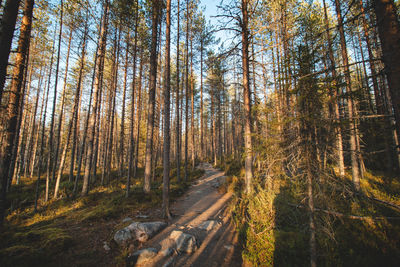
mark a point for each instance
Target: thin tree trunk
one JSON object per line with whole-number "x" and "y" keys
{"x": 51, "y": 135}
{"x": 246, "y": 96}
{"x": 192, "y": 104}
{"x": 167, "y": 96}
{"x": 96, "y": 94}
{"x": 48, "y": 90}
{"x": 76, "y": 107}
{"x": 122, "y": 128}
{"x": 177, "y": 108}
{"x": 131, "y": 137}
{"x": 187, "y": 90}
{"x": 60, "y": 120}
{"x": 152, "y": 93}
{"x": 201, "y": 103}
{"x": 138, "y": 111}
{"x": 351, "y": 107}
{"x": 334, "y": 96}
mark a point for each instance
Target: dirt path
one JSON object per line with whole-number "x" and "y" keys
{"x": 202, "y": 202}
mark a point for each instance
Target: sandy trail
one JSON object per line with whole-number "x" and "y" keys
{"x": 200, "y": 203}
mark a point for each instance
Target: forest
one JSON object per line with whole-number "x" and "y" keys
{"x": 284, "y": 115}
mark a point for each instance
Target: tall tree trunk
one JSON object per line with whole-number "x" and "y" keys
{"x": 138, "y": 111}
{"x": 192, "y": 104}
{"x": 247, "y": 97}
{"x": 334, "y": 96}
{"x": 13, "y": 107}
{"x": 48, "y": 90}
{"x": 41, "y": 151}
{"x": 389, "y": 34}
{"x": 167, "y": 96}
{"x": 76, "y": 107}
{"x": 35, "y": 135}
{"x": 201, "y": 102}
{"x": 351, "y": 107}
{"x": 187, "y": 90}
{"x": 24, "y": 126}
{"x": 122, "y": 127}
{"x": 177, "y": 108}
{"x": 7, "y": 27}
{"x": 60, "y": 120}
{"x": 53, "y": 113}
{"x": 132, "y": 129}
{"x": 96, "y": 94}
{"x": 152, "y": 93}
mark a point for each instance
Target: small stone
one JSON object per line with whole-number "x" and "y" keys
{"x": 208, "y": 225}
{"x": 228, "y": 247}
{"x": 106, "y": 246}
{"x": 127, "y": 219}
{"x": 143, "y": 255}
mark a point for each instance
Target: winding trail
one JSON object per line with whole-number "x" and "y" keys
{"x": 202, "y": 202}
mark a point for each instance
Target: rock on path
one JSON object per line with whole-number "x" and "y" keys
{"x": 200, "y": 232}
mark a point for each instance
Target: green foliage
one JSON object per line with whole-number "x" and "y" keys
{"x": 33, "y": 245}
{"x": 273, "y": 223}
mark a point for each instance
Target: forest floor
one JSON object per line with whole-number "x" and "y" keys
{"x": 75, "y": 232}
{"x": 72, "y": 231}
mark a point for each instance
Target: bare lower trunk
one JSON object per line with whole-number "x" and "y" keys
{"x": 97, "y": 88}
{"x": 389, "y": 34}
{"x": 152, "y": 94}
{"x": 351, "y": 106}
{"x": 246, "y": 96}
{"x": 14, "y": 108}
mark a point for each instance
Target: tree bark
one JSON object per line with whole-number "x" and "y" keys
{"x": 152, "y": 93}
{"x": 351, "y": 107}
{"x": 334, "y": 98}
{"x": 167, "y": 96}
{"x": 7, "y": 27}
{"x": 389, "y": 34}
{"x": 13, "y": 108}
{"x": 247, "y": 98}
{"x": 177, "y": 108}
{"x": 187, "y": 90}
{"x": 96, "y": 94}
{"x": 131, "y": 136}
{"x": 51, "y": 135}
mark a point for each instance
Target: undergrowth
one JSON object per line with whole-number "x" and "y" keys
{"x": 40, "y": 238}
{"x": 273, "y": 221}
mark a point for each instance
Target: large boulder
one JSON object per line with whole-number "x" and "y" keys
{"x": 185, "y": 243}
{"x": 140, "y": 231}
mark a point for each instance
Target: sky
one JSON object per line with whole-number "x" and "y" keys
{"x": 210, "y": 11}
